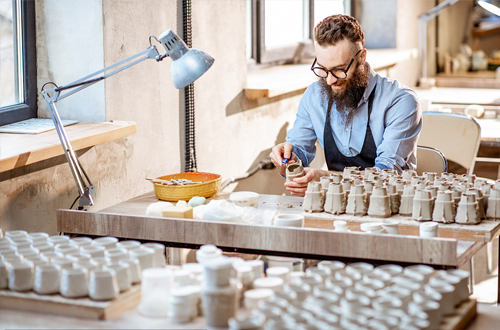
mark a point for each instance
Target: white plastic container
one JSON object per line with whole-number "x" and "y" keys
{"x": 429, "y": 229}
{"x": 340, "y": 225}
{"x": 245, "y": 198}
{"x": 372, "y": 228}
{"x": 293, "y": 264}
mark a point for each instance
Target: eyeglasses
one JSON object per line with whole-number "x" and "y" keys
{"x": 337, "y": 73}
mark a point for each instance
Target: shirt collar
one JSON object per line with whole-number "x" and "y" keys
{"x": 372, "y": 81}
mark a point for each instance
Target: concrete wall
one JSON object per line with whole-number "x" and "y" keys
{"x": 232, "y": 133}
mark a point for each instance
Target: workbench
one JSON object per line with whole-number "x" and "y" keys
{"x": 317, "y": 240}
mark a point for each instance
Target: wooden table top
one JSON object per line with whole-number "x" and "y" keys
{"x": 128, "y": 220}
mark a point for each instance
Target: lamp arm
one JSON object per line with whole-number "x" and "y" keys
{"x": 84, "y": 185}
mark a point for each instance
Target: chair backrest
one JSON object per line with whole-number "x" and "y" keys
{"x": 430, "y": 160}
{"x": 456, "y": 136}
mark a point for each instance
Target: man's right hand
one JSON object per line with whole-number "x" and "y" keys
{"x": 280, "y": 152}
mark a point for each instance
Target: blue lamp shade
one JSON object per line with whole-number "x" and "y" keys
{"x": 188, "y": 63}
{"x": 493, "y": 6}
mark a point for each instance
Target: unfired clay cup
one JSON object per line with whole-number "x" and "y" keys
{"x": 47, "y": 279}
{"x": 65, "y": 248}
{"x": 156, "y": 287}
{"x": 103, "y": 284}
{"x": 38, "y": 237}
{"x": 58, "y": 239}
{"x": 245, "y": 198}
{"x": 135, "y": 269}
{"x": 73, "y": 283}
{"x": 218, "y": 272}
{"x": 108, "y": 242}
{"x": 94, "y": 250}
{"x": 145, "y": 256}
{"x": 81, "y": 241}
{"x": 114, "y": 255}
{"x": 4, "y": 275}
{"x": 129, "y": 244}
{"x": 159, "y": 259}
{"x": 62, "y": 263}
{"x": 16, "y": 233}
{"x": 21, "y": 276}
{"x": 289, "y": 220}
{"x": 122, "y": 275}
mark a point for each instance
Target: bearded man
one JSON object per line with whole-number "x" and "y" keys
{"x": 359, "y": 117}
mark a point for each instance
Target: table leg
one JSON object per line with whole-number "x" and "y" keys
{"x": 471, "y": 276}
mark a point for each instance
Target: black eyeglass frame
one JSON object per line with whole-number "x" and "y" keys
{"x": 333, "y": 70}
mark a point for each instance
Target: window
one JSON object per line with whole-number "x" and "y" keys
{"x": 17, "y": 61}
{"x": 280, "y": 31}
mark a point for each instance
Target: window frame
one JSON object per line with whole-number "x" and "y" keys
{"x": 27, "y": 109}
{"x": 291, "y": 53}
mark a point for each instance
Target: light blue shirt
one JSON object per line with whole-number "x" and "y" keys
{"x": 395, "y": 122}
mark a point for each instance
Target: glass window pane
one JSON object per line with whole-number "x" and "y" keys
{"x": 10, "y": 68}
{"x": 324, "y": 8}
{"x": 286, "y": 22}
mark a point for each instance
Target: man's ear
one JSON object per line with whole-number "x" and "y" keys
{"x": 362, "y": 56}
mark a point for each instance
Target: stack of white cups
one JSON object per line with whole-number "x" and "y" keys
{"x": 220, "y": 294}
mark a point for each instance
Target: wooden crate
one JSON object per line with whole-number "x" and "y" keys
{"x": 76, "y": 307}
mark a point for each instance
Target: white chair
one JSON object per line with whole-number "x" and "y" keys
{"x": 430, "y": 160}
{"x": 456, "y": 136}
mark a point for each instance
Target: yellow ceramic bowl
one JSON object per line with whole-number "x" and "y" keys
{"x": 209, "y": 186}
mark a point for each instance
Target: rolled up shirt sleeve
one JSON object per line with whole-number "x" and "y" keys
{"x": 303, "y": 136}
{"x": 403, "y": 122}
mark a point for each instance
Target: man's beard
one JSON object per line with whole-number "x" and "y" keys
{"x": 347, "y": 98}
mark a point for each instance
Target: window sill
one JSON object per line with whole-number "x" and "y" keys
{"x": 283, "y": 79}
{"x": 18, "y": 150}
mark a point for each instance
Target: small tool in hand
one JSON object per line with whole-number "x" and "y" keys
{"x": 285, "y": 161}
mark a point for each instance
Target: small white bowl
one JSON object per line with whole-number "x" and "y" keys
{"x": 245, "y": 198}
{"x": 289, "y": 220}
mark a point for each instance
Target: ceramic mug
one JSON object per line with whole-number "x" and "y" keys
{"x": 103, "y": 284}
{"x": 47, "y": 279}
{"x": 73, "y": 283}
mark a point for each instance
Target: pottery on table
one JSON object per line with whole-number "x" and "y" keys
{"x": 379, "y": 203}
{"x": 468, "y": 210}
{"x": 336, "y": 177}
{"x": 47, "y": 279}
{"x": 348, "y": 184}
{"x": 357, "y": 203}
{"x": 295, "y": 170}
{"x": 370, "y": 170}
{"x": 289, "y": 220}
{"x": 406, "y": 204}
{"x": 369, "y": 189}
{"x": 423, "y": 205}
{"x": 493, "y": 211}
{"x": 480, "y": 201}
{"x": 336, "y": 200}
{"x": 348, "y": 170}
{"x": 123, "y": 275}
{"x": 314, "y": 198}
{"x": 73, "y": 283}
{"x": 391, "y": 226}
{"x": 325, "y": 182}
{"x": 408, "y": 175}
{"x": 103, "y": 284}
{"x": 400, "y": 187}
{"x": 394, "y": 198}
{"x": 444, "y": 207}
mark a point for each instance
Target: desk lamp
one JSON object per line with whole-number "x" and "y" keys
{"x": 493, "y": 6}
{"x": 187, "y": 66}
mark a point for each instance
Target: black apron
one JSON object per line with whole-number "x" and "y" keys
{"x": 335, "y": 160}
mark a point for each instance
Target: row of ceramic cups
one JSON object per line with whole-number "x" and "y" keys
{"x": 341, "y": 300}
{"x": 74, "y": 267}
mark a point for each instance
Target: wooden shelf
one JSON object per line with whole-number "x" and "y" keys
{"x": 479, "y": 79}
{"x": 283, "y": 79}
{"x": 18, "y": 150}
{"x": 485, "y": 29}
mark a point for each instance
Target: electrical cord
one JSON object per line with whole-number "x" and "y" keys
{"x": 71, "y": 207}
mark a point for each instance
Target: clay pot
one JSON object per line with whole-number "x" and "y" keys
{"x": 417, "y": 179}
{"x": 468, "y": 210}
{"x": 394, "y": 199}
{"x": 444, "y": 207}
{"x": 369, "y": 189}
{"x": 370, "y": 170}
{"x": 406, "y": 207}
{"x": 493, "y": 211}
{"x": 430, "y": 176}
{"x": 448, "y": 176}
{"x": 357, "y": 179}
{"x": 349, "y": 170}
{"x": 336, "y": 177}
{"x": 295, "y": 170}
{"x": 347, "y": 185}
{"x": 357, "y": 203}
{"x": 408, "y": 175}
{"x": 423, "y": 204}
{"x": 486, "y": 189}
{"x": 325, "y": 181}
{"x": 314, "y": 198}
{"x": 400, "y": 186}
{"x": 480, "y": 201}
{"x": 373, "y": 176}
{"x": 470, "y": 178}
{"x": 456, "y": 194}
{"x": 380, "y": 203}
{"x": 443, "y": 186}
{"x": 336, "y": 199}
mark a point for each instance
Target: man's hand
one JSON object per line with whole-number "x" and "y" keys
{"x": 280, "y": 152}
{"x": 299, "y": 185}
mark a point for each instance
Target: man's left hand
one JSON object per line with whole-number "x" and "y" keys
{"x": 298, "y": 186}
